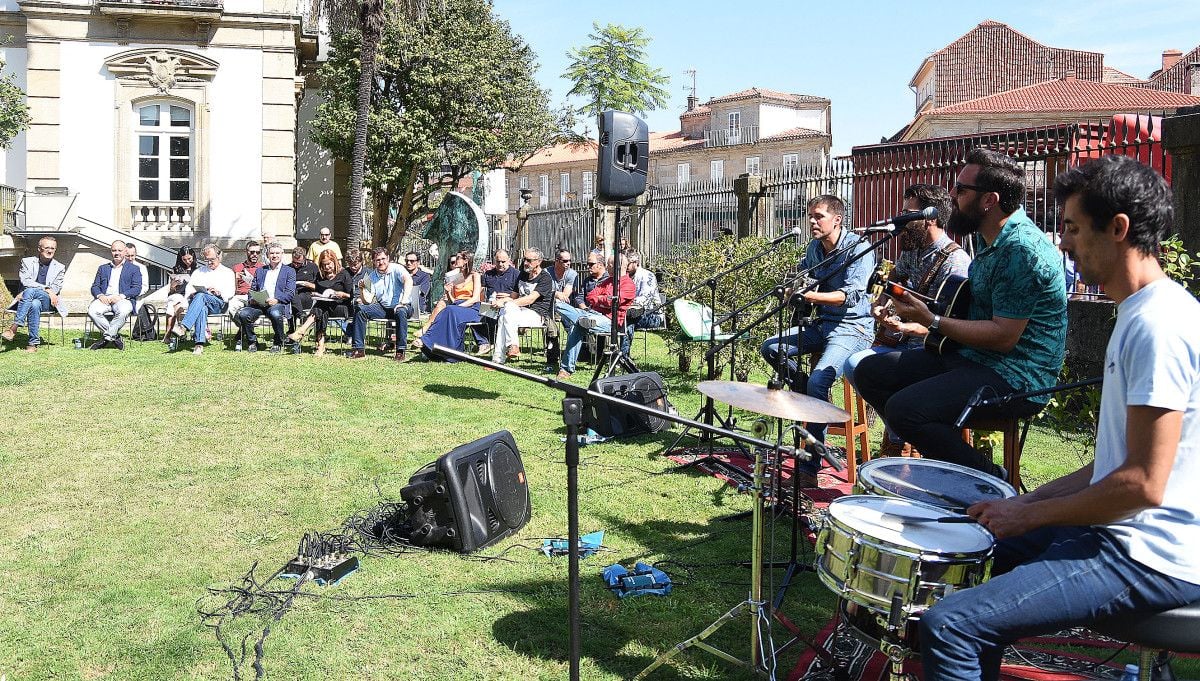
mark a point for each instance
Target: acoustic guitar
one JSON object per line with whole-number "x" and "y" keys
{"x": 952, "y": 299}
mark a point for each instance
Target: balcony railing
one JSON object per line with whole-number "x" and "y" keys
{"x": 162, "y": 216}
{"x": 200, "y": 10}
{"x": 725, "y": 137}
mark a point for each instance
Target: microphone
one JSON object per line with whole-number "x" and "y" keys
{"x": 971, "y": 404}
{"x": 881, "y": 229}
{"x": 907, "y": 216}
{"x": 787, "y": 235}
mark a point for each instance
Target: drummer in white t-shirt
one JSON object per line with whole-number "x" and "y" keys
{"x": 1118, "y": 536}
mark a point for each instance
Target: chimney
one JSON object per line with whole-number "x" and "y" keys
{"x": 1171, "y": 58}
{"x": 1191, "y": 79}
{"x": 691, "y": 102}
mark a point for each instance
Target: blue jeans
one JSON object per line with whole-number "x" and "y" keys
{"x": 567, "y": 314}
{"x": 835, "y": 341}
{"x": 34, "y": 301}
{"x": 246, "y": 317}
{"x": 376, "y": 311}
{"x": 1054, "y": 577}
{"x": 196, "y": 317}
{"x": 576, "y": 335}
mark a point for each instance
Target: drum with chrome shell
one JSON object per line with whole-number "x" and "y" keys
{"x": 939, "y": 483}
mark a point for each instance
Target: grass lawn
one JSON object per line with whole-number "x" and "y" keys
{"x": 135, "y": 481}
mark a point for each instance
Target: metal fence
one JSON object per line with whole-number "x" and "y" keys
{"x": 871, "y": 181}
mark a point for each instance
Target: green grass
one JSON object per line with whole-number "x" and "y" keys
{"x": 135, "y": 481}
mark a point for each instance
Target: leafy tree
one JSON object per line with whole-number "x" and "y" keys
{"x": 14, "y": 117}
{"x": 451, "y": 94}
{"x": 611, "y": 73}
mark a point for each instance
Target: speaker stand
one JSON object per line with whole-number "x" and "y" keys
{"x": 572, "y": 412}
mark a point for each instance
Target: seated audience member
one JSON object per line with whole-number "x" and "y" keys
{"x": 332, "y": 299}
{"x": 647, "y": 297}
{"x": 385, "y": 293}
{"x": 209, "y": 290}
{"x": 131, "y": 258}
{"x": 243, "y": 276}
{"x": 449, "y": 327}
{"x": 1116, "y": 539}
{"x": 41, "y": 283}
{"x": 278, "y": 283}
{"x": 322, "y": 244}
{"x": 597, "y": 316}
{"x": 566, "y": 279}
{"x": 501, "y": 277}
{"x": 306, "y": 284}
{"x": 421, "y": 279}
{"x": 185, "y": 264}
{"x": 463, "y": 283}
{"x": 115, "y": 288}
{"x": 525, "y": 307}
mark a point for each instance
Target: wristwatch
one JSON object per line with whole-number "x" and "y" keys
{"x": 937, "y": 320}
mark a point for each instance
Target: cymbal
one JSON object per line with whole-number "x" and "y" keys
{"x": 780, "y": 403}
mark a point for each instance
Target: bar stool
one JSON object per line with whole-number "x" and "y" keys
{"x": 1013, "y": 431}
{"x": 855, "y": 430}
{"x": 1175, "y": 630}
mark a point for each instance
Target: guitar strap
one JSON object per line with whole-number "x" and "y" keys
{"x": 942, "y": 256}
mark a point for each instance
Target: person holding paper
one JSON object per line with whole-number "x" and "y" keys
{"x": 272, "y": 292}
{"x": 332, "y": 299}
{"x": 209, "y": 290}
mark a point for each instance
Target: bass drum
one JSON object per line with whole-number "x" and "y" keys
{"x": 939, "y": 483}
{"x": 871, "y": 552}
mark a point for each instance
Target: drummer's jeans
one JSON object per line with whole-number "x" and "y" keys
{"x": 920, "y": 395}
{"x": 835, "y": 341}
{"x": 1064, "y": 576}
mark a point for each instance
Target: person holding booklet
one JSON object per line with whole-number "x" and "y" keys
{"x": 209, "y": 290}
{"x": 332, "y": 299}
{"x": 272, "y": 292}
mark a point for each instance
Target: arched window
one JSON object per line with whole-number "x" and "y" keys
{"x": 164, "y": 137}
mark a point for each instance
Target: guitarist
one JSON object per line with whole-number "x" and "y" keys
{"x": 1015, "y": 334}
{"x": 927, "y": 257}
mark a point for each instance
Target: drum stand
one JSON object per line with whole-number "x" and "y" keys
{"x": 754, "y": 605}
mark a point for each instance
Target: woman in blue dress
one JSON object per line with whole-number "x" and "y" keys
{"x": 462, "y": 307}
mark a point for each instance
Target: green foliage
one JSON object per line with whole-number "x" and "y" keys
{"x": 14, "y": 112}
{"x": 455, "y": 90}
{"x": 690, "y": 266}
{"x": 611, "y": 73}
{"x": 1179, "y": 264}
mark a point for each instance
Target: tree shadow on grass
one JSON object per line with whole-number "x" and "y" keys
{"x": 461, "y": 392}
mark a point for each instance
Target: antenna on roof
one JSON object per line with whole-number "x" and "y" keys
{"x": 692, "y": 100}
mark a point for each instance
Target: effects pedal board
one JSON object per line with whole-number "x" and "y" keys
{"x": 326, "y": 569}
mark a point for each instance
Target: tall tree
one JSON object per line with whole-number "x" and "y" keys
{"x": 451, "y": 94}
{"x": 364, "y": 20}
{"x": 611, "y": 72}
{"x": 14, "y": 117}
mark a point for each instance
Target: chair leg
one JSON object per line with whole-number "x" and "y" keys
{"x": 1012, "y": 454}
{"x": 851, "y": 438}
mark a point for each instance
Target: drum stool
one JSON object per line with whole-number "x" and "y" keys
{"x": 1175, "y": 630}
{"x": 1013, "y": 431}
{"x": 854, "y": 430}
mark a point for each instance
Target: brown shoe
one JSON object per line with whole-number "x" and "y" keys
{"x": 31, "y": 348}
{"x": 514, "y": 351}
{"x": 401, "y": 357}
{"x": 563, "y": 375}
{"x": 356, "y": 354}
{"x": 9, "y": 333}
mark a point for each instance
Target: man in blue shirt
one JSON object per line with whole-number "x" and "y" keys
{"x": 843, "y": 323}
{"x": 386, "y": 293}
{"x": 1015, "y": 334}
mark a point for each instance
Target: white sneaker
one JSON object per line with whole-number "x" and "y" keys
{"x": 198, "y": 350}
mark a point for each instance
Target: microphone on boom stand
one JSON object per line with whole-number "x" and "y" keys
{"x": 890, "y": 225}
{"x": 795, "y": 232}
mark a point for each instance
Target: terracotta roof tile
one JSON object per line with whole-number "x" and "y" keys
{"x": 701, "y": 110}
{"x": 1112, "y": 75}
{"x": 565, "y": 153}
{"x": 793, "y": 133}
{"x": 1175, "y": 78}
{"x": 1069, "y": 94}
{"x": 672, "y": 141}
{"x": 787, "y": 97}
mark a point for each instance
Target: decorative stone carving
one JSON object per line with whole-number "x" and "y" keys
{"x": 162, "y": 69}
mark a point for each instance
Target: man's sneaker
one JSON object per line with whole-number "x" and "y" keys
{"x": 237, "y": 347}
{"x": 253, "y": 347}
{"x": 485, "y": 349}
{"x": 401, "y": 356}
{"x": 356, "y": 354}
{"x": 118, "y": 343}
{"x": 99, "y": 345}
{"x": 198, "y": 350}
{"x": 275, "y": 349}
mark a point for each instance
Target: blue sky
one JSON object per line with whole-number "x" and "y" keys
{"x": 860, "y": 55}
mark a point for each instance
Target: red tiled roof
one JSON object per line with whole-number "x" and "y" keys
{"x": 672, "y": 141}
{"x": 793, "y": 133}
{"x": 751, "y": 93}
{"x": 565, "y": 153}
{"x": 1174, "y": 78}
{"x": 1112, "y": 75}
{"x": 1069, "y": 94}
{"x": 701, "y": 110}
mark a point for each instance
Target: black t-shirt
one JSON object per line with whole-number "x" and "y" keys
{"x": 543, "y": 283}
{"x": 306, "y": 272}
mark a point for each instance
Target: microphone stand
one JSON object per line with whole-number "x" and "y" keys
{"x": 573, "y": 404}
{"x": 615, "y": 354}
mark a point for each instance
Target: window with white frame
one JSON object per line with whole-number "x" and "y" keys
{"x": 753, "y": 166}
{"x": 586, "y": 189}
{"x": 683, "y": 173}
{"x": 543, "y": 190}
{"x": 735, "y": 122}
{"x": 564, "y": 186}
{"x": 716, "y": 170}
{"x": 164, "y": 137}
{"x": 791, "y": 163}
{"x": 523, "y": 182}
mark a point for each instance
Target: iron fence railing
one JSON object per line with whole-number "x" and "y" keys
{"x": 8, "y": 209}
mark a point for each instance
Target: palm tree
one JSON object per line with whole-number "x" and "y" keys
{"x": 368, "y": 17}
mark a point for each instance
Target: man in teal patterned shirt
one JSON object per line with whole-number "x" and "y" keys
{"x": 1015, "y": 335}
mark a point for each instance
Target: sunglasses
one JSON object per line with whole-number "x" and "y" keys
{"x": 253, "y": 252}
{"x": 959, "y": 186}
{"x": 565, "y": 262}
{"x": 408, "y": 260}
{"x": 533, "y": 259}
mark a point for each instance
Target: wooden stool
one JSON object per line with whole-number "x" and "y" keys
{"x": 854, "y": 430}
{"x": 1014, "y": 439}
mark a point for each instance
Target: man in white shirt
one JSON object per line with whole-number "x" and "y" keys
{"x": 272, "y": 292}
{"x": 1117, "y": 537}
{"x": 209, "y": 290}
{"x": 115, "y": 288}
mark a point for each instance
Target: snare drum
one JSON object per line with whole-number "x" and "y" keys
{"x": 940, "y": 483}
{"x": 867, "y": 556}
